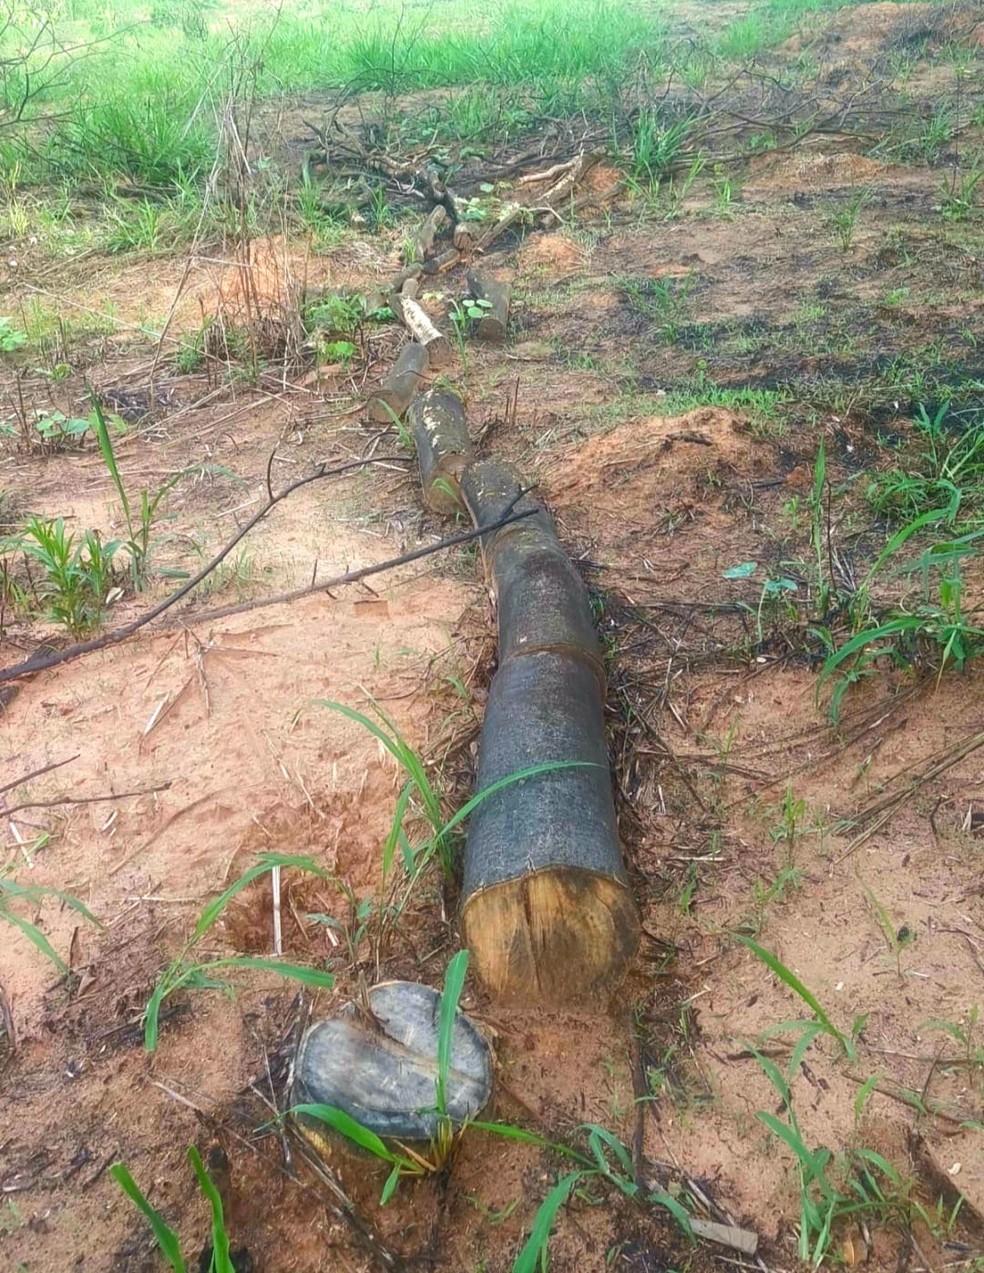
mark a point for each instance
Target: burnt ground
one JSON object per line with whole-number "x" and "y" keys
{"x": 675, "y": 359}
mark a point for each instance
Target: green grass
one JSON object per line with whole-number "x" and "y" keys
{"x": 77, "y": 572}
{"x": 859, "y": 1185}
{"x": 186, "y": 972}
{"x": 32, "y": 896}
{"x": 140, "y": 105}
{"x": 166, "y": 1238}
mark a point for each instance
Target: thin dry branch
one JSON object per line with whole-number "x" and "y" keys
{"x": 41, "y": 663}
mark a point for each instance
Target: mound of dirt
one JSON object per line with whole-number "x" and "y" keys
{"x": 642, "y": 464}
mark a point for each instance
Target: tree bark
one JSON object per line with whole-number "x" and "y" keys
{"x": 444, "y": 449}
{"x": 495, "y": 320}
{"x": 398, "y": 389}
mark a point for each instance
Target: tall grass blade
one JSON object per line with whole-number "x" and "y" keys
{"x": 529, "y": 1258}
{"x": 789, "y": 978}
{"x": 109, "y": 459}
{"x": 35, "y": 935}
{"x": 38, "y": 892}
{"x": 521, "y": 775}
{"x": 266, "y": 863}
{"x": 165, "y": 1236}
{"x": 221, "y": 1260}
{"x": 454, "y": 982}
{"x": 350, "y": 1128}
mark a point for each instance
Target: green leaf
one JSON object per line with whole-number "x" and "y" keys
{"x": 454, "y": 982}
{"x": 521, "y": 775}
{"x": 165, "y": 1236}
{"x": 676, "y": 1209}
{"x": 396, "y": 826}
{"x": 743, "y": 571}
{"x": 508, "y": 1132}
{"x": 536, "y": 1243}
{"x": 351, "y": 1129}
{"x": 37, "y": 893}
{"x": 35, "y": 935}
{"x": 221, "y": 1260}
{"x": 789, "y": 978}
{"x": 293, "y": 972}
{"x": 109, "y": 458}
{"x": 389, "y": 1188}
{"x": 266, "y": 863}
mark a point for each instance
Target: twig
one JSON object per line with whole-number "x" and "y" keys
{"x": 41, "y": 662}
{"x": 352, "y": 576}
{"x": 53, "y": 804}
{"x": 36, "y": 773}
{"x": 888, "y": 806}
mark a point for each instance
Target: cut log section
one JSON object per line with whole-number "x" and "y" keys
{"x": 423, "y": 245}
{"x": 495, "y": 298}
{"x": 398, "y": 389}
{"x": 541, "y": 600}
{"x": 381, "y": 1068}
{"x": 444, "y": 449}
{"x": 417, "y": 322}
{"x": 548, "y": 913}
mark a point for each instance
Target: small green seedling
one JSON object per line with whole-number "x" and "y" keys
{"x": 184, "y": 972}
{"x": 166, "y": 1238}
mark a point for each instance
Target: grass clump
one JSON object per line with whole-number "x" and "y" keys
{"x": 77, "y": 572}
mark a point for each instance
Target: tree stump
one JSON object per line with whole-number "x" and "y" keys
{"x": 381, "y": 1068}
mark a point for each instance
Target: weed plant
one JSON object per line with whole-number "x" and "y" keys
{"x": 187, "y": 971}
{"x": 77, "y": 572}
{"x": 14, "y": 895}
{"x": 220, "y": 1259}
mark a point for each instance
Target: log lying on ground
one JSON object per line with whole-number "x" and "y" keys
{"x": 435, "y": 222}
{"x": 444, "y": 449}
{"x": 541, "y": 600}
{"x": 496, "y": 297}
{"x": 381, "y": 1069}
{"x": 417, "y": 322}
{"x": 398, "y": 389}
{"x": 547, "y": 912}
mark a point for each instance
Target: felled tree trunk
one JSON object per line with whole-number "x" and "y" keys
{"x": 494, "y": 322}
{"x": 444, "y": 450}
{"x": 397, "y": 389}
{"x": 417, "y": 322}
{"x": 547, "y": 910}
